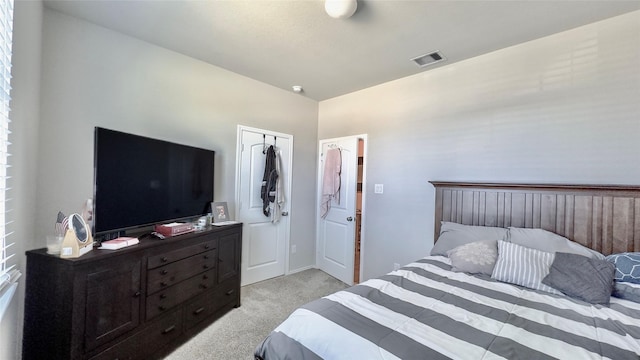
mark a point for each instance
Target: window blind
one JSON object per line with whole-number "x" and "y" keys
{"x": 9, "y": 273}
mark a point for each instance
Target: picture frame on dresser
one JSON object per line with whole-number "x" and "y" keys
{"x": 220, "y": 211}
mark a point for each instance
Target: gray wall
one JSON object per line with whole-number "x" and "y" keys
{"x": 561, "y": 109}
{"x": 558, "y": 109}
{"x": 25, "y": 105}
{"x": 92, "y": 76}
{"x": 70, "y": 75}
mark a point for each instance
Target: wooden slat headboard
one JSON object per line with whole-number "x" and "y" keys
{"x": 602, "y": 217}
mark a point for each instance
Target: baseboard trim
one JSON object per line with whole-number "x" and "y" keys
{"x": 300, "y": 269}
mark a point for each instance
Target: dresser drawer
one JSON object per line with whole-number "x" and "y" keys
{"x": 179, "y": 254}
{"x": 165, "y": 276}
{"x": 162, "y": 301}
{"x": 146, "y": 341}
{"x": 209, "y": 302}
{"x": 199, "y": 309}
{"x": 227, "y": 291}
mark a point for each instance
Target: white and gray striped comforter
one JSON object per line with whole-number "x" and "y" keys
{"x": 425, "y": 311}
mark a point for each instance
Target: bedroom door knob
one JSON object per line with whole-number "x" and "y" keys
{"x": 285, "y": 213}
{"x": 350, "y": 218}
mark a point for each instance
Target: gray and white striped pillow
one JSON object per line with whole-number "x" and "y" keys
{"x": 523, "y": 266}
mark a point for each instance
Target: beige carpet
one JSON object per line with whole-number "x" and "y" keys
{"x": 264, "y": 306}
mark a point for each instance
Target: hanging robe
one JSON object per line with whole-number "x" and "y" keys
{"x": 330, "y": 180}
{"x": 278, "y": 195}
{"x": 269, "y": 178}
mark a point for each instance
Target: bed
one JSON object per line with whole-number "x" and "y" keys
{"x": 426, "y": 310}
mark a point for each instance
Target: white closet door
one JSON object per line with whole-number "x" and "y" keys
{"x": 336, "y": 232}
{"x": 264, "y": 244}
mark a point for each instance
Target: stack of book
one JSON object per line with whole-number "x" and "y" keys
{"x": 174, "y": 229}
{"x": 118, "y": 243}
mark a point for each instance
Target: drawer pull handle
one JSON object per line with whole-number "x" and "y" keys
{"x": 162, "y": 308}
{"x": 164, "y": 272}
{"x": 164, "y": 259}
{"x": 206, "y": 257}
{"x": 163, "y": 296}
{"x": 198, "y": 311}
{"x": 203, "y": 286}
{"x": 205, "y": 266}
{"x": 163, "y": 283}
{"x": 136, "y": 294}
{"x": 230, "y": 292}
{"x": 205, "y": 277}
{"x": 169, "y": 329}
{"x": 206, "y": 246}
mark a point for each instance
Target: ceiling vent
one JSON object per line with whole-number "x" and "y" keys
{"x": 428, "y": 59}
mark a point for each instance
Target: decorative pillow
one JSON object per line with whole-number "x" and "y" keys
{"x": 626, "y": 290}
{"x": 581, "y": 277}
{"x": 475, "y": 258}
{"x": 523, "y": 266}
{"x": 453, "y": 235}
{"x": 550, "y": 242}
{"x": 627, "y": 266}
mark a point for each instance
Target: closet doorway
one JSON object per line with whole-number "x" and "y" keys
{"x": 339, "y": 237}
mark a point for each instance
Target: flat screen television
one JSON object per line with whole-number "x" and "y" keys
{"x": 139, "y": 181}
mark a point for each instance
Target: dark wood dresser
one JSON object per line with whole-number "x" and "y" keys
{"x": 138, "y": 302}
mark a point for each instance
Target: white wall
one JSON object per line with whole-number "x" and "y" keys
{"x": 92, "y": 76}
{"x": 561, "y": 109}
{"x": 25, "y": 111}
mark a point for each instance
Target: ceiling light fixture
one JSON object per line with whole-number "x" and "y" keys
{"x": 297, "y": 88}
{"x": 340, "y": 9}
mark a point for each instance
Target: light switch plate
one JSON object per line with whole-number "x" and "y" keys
{"x": 378, "y": 188}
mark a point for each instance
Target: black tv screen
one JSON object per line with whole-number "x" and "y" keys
{"x": 141, "y": 181}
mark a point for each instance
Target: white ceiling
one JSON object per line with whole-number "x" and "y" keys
{"x": 294, "y": 42}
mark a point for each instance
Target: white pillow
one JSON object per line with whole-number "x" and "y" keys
{"x": 474, "y": 258}
{"x": 550, "y": 242}
{"x": 453, "y": 235}
{"x": 523, "y": 266}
